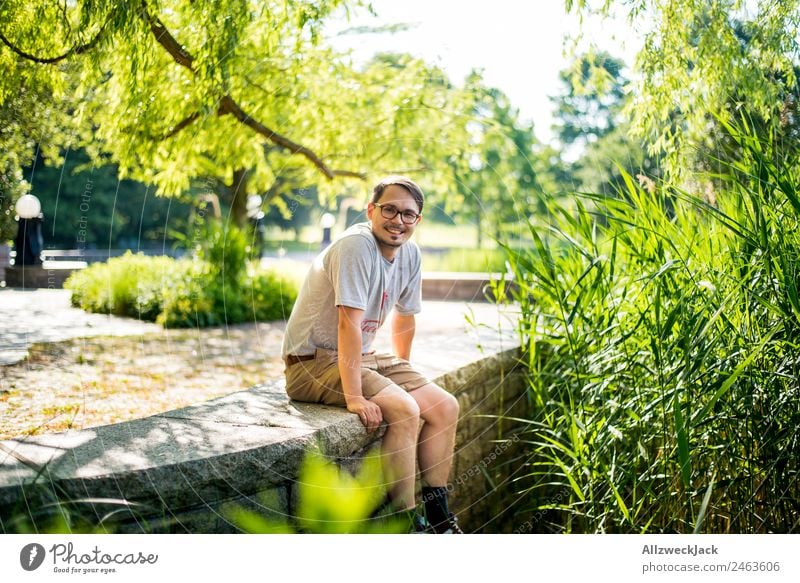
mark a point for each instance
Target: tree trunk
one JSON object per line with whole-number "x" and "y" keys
{"x": 235, "y": 195}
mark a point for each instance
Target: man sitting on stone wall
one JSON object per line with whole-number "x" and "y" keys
{"x": 351, "y": 287}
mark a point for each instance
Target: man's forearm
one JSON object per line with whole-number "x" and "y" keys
{"x": 403, "y": 329}
{"x": 349, "y": 339}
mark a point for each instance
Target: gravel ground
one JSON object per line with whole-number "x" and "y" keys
{"x": 86, "y": 382}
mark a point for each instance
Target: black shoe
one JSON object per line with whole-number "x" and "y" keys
{"x": 449, "y": 526}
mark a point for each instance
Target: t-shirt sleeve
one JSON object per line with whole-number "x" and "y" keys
{"x": 410, "y": 300}
{"x": 348, "y": 268}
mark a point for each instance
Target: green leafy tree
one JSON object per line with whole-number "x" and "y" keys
{"x": 591, "y": 119}
{"x": 494, "y": 171}
{"x": 591, "y": 104}
{"x": 90, "y": 206}
{"x": 694, "y": 63}
{"x": 291, "y": 211}
{"x": 721, "y": 150}
{"x": 30, "y": 115}
{"x": 235, "y": 95}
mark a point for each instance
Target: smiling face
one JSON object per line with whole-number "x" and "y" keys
{"x": 392, "y": 233}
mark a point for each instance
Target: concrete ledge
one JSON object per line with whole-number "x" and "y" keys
{"x": 39, "y": 276}
{"x": 462, "y": 286}
{"x": 183, "y": 466}
{"x": 245, "y": 441}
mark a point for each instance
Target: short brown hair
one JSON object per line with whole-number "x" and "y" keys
{"x": 411, "y": 186}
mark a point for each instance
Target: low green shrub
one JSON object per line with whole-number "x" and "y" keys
{"x": 188, "y": 302}
{"x": 204, "y": 298}
{"x": 130, "y": 285}
{"x": 329, "y": 500}
{"x": 269, "y": 296}
{"x": 214, "y": 289}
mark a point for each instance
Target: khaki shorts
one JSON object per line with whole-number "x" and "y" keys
{"x": 317, "y": 380}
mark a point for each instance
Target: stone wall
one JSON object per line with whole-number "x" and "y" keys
{"x": 50, "y": 276}
{"x": 179, "y": 469}
{"x": 464, "y": 287}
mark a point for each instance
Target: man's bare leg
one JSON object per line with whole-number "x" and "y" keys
{"x": 401, "y": 414}
{"x": 439, "y": 409}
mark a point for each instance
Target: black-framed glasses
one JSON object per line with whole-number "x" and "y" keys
{"x": 389, "y": 211}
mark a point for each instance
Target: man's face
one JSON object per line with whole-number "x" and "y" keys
{"x": 392, "y": 233}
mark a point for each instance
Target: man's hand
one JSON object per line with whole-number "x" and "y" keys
{"x": 369, "y": 413}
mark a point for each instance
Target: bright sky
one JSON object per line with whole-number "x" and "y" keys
{"x": 518, "y": 43}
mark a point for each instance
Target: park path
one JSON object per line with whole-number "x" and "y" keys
{"x": 45, "y": 315}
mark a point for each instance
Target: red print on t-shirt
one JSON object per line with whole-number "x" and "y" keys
{"x": 371, "y": 326}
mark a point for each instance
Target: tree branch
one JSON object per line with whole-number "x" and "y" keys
{"x": 350, "y": 174}
{"x": 76, "y": 50}
{"x": 227, "y": 105}
{"x": 187, "y": 121}
{"x": 65, "y": 16}
{"x": 264, "y": 89}
{"x": 412, "y": 171}
{"x": 166, "y": 40}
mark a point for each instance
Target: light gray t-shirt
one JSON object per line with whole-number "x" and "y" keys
{"x": 352, "y": 272}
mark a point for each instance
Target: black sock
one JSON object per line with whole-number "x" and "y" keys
{"x": 436, "y": 508}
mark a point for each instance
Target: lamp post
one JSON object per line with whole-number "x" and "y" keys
{"x": 255, "y": 214}
{"x": 28, "y": 271}
{"x": 29, "y": 242}
{"x": 327, "y": 221}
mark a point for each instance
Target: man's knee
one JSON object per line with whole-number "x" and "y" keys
{"x": 448, "y": 408}
{"x": 441, "y": 407}
{"x": 397, "y": 406}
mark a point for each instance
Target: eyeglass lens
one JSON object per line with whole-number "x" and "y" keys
{"x": 390, "y": 212}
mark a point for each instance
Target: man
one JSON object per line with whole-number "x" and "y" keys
{"x": 350, "y": 288}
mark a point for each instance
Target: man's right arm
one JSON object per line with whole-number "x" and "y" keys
{"x": 349, "y": 340}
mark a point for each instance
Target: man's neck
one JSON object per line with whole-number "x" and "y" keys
{"x": 389, "y": 253}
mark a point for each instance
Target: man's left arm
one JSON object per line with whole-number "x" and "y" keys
{"x": 403, "y": 328}
{"x": 408, "y": 304}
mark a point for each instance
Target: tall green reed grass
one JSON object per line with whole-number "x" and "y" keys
{"x": 660, "y": 330}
